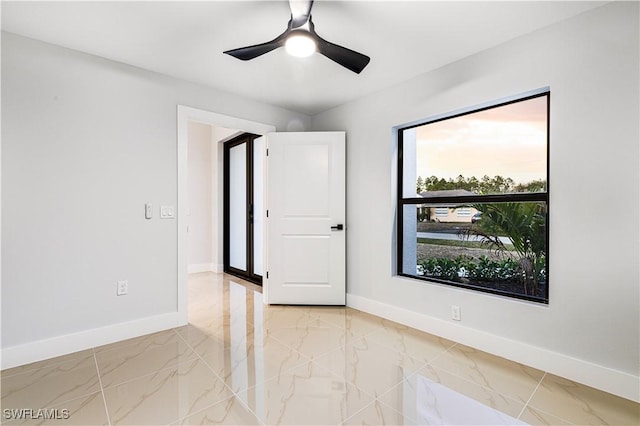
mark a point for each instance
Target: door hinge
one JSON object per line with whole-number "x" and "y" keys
{"x": 267, "y": 274}
{"x": 267, "y": 152}
{"x": 267, "y": 213}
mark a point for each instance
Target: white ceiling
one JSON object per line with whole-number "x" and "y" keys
{"x": 186, "y": 40}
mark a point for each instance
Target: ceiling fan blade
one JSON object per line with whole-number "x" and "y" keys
{"x": 346, "y": 57}
{"x": 301, "y": 17}
{"x": 250, "y": 52}
{"x": 300, "y": 12}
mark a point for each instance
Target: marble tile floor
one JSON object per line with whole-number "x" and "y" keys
{"x": 240, "y": 362}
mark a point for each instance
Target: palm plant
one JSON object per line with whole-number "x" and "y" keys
{"x": 525, "y": 226}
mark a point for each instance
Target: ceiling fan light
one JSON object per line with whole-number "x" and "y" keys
{"x": 300, "y": 45}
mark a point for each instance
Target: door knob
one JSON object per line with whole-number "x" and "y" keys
{"x": 338, "y": 227}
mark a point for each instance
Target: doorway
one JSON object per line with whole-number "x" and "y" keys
{"x": 244, "y": 207}
{"x": 185, "y": 115}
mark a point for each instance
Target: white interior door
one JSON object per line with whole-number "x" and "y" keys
{"x": 306, "y": 231}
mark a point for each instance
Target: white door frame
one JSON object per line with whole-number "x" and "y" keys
{"x": 184, "y": 115}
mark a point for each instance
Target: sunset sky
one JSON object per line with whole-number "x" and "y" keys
{"x": 510, "y": 141}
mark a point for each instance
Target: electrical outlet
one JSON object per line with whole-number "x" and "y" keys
{"x": 123, "y": 287}
{"x": 455, "y": 313}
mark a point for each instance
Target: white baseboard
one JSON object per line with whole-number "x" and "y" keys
{"x": 600, "y": 377}
{"x": 14, "y": 356}
{"x": 205, "y": 267}
{"x": 195, "y": 268}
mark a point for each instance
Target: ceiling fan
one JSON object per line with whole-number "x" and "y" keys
{"x": 300, "y": 39}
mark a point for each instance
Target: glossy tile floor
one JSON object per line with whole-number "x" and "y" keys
{"x": 241, "y": 362}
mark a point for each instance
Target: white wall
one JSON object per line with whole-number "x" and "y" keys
{"x": 590, "y": 329}
{"x": 200, "y": 210}
{"x": 205, "y": 187}
{"x": 86, "y": 142}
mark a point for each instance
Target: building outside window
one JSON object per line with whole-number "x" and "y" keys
{"x": 473, "y": 198}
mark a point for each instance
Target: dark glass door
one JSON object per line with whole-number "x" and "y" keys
{"x": 243, "y": 207}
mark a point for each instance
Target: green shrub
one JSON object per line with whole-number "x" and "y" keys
{"x": 441, "y": 267}
{"x": 487, "y": 270}
{"x": 525, "y": 225}
{"x": 482, "y": 269}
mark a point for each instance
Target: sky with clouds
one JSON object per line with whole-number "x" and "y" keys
{"x": 510, "y": 141}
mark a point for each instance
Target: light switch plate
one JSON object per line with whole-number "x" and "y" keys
{"x": 148, "y": 212}
{"x": 167, "y": 212}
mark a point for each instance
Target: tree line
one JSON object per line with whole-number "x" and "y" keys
{"x": 484, "y": 185}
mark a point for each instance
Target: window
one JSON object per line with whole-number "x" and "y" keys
{"x": 441, "y": 211}
{"x": 463, "y": 211}
{"x": 473, "y": 198}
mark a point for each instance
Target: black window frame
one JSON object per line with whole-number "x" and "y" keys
{"x": 468, "y": 199}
